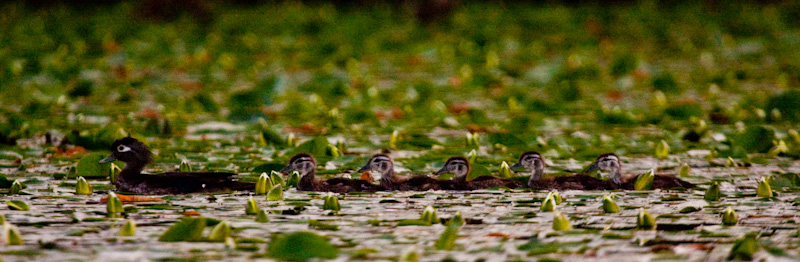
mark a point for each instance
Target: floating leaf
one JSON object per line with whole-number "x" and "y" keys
{"x": 318, "y": 147}
{"x": 331, "y": 203}
{"x": 560, "y": 222}
{"x": 89, "y": 166}
{"x": 744, "y": 248}
{"x": 472, "y": 156}
{"x": 322, "y": 226}
{"x": 263, "y": 184}
{"x": 447, "y": 240}
{"x": 129, "y": 229}
{"x": 293, "y": 180}
{"x": 645, "y": 220}
{"x": 11, "y": 235}
{"x": 83, "y": 187}
{"x": 713, "y": 193}
{"x": 276, "y": 178}
{"x": 549, "y": 203}
{"x": 478, "y": 171}
{"x": 685, "y": 170}
{"x": 409, "y": 255}
{"x": 187, "y": 229}
{"x": 413, "y": 222}
{"x": 429, "y": 215}
{"x": 220, "y": 232}
{"x": 609, "y": 205}
{"x": 252, "y": 207}
{"x": 262, "y": 217}
{"x": 764, "y": 190}
{"x": 18, "y": 205}
{"x": 300, "y": 246}
{"x": 729, "y": 217}
{"x": 275, "y": 194}
{"x": 113, "y": 172}
{"x": 505, "y": 170}
{"x": 185, "y": 167}
{"x": 16, "y": 188}
{"x": 113, "y": 205}
{"x": 458, "y": 219}
{"x": 662, "y": 149}
{"x": 644, "y": 181}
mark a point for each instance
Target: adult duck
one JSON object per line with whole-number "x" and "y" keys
{"x": 137, "y": 156}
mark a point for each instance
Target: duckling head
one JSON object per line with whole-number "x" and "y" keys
{"x": 131, "y": 151}
{"x": 532, "y": 161}
{"x": 607, "y": 163}
{"x": 380, "y": 164}
{"x": 458, "y": 166}
{"x": 303, "y": 163}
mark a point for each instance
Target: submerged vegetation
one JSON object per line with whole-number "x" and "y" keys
{"x": 707, "y": 92}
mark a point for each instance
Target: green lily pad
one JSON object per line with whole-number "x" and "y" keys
{"x": 187, "y": 229}
{"x": 18, "y": 205}
{"x": 89, "y": 166}
{"x": 301, "y": 246}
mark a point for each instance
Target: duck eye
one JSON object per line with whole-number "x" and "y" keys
{"x": 123, "y": 148}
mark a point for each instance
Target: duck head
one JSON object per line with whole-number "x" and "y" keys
{"x": 607, "y": 163}
{"x": 303, "y": 163}
{"x": 458, "y": 166}
{"x": 531, "y": 161}
{"x": 134, "y": 153}
{"x": 380, "y": 164}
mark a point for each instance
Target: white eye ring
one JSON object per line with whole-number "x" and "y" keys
{"x": 123, "y": 148}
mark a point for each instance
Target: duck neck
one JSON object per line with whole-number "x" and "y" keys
{"x": 616, "y": 176}
{"x": 536, "y": 175}
{"x": 388, "y": 177}
{"x": 307, "y": 181}
{"x": 130, "y": 175}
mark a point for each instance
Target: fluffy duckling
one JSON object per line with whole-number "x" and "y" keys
{"x": 383, "y": 165}
{"x": 137, "y": 155}
{"x": 459, "y": 167}
{"x": 533, "y": 161}
{"x": 307, "y": 165}
{"x": 610, "y": 163}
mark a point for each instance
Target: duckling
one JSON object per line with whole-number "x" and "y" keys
{"x": 383, "y": 165}
{"x": 137, "y": 155}
{"x": 306, "y": 165}
{"x": 459, "y": 167}
{"x": 610, "y": 163}
{"x": 534, "y": 162}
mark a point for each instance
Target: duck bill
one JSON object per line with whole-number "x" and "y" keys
{"x": 109, "y": 159}
{"x": 364, "y": 168}
{"x": 441, "y": 171}
{"x": 287, "y": 169}
{"x": 515, "y": 165}
{"x": 592, "y": 168}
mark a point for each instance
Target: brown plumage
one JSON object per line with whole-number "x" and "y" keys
{"x": 383, "y": 165}
{"x": 460, "y": 168}
{"x": 306, "y": 165}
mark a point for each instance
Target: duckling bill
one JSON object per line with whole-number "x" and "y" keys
{"x": 137, "y": 156}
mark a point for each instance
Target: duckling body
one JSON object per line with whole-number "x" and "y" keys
{"x": 610, "y": 163}
{"x": 306, "y": 165}
{"x": 384, "y": 165}
{"x": 460, "y": 168}
{"x": 136, "y": 156}
{"x": 535, "y": 162}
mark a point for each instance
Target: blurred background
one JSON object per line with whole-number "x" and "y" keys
{"x": 533, "y": 74}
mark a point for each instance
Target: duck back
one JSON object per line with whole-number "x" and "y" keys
{"x": 661, "y": 182}
{"x": 573, "y": 182}
{"x": 181, "y": 183}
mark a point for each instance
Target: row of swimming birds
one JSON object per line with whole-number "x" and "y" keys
{"x": 137, "y": 155}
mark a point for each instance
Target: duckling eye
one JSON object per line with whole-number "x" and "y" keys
{"x": 123, "y": 148}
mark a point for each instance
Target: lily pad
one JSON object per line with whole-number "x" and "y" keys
{"x": 301, "y": 246}
{"x": 89, "y": 166}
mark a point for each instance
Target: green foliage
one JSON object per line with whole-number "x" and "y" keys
{"x": 89, "y": 166}
{"x": 755, "y": 138}
{"x": 301, "y": 246}
{"x": 187, "y": 229}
